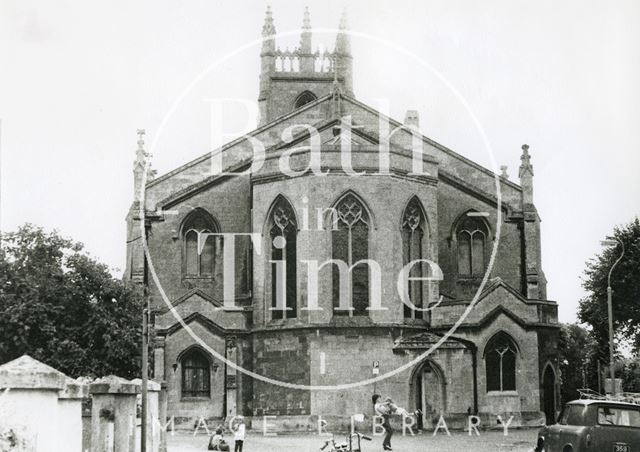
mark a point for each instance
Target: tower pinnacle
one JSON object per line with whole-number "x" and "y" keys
{"x": 306, "y": 21}
{"x": 141, "y": 155}
{"x": 343, "y": 41}
{"x": 139, "y": 166}
{"x": 525, "y": 173}
{"x": 305, "y": 39}
{"x": 525, "y": 158}
{"x": 343, "y": 58}
{"x": 268, "y": 29}
{"x": 291, "y": 78}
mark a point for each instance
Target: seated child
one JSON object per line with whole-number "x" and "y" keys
{"x": 217, "y": 442}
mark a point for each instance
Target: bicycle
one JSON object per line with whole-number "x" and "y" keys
{"x": 348, "y": 445}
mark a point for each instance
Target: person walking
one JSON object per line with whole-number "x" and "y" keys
{"x": 383, "y": 409}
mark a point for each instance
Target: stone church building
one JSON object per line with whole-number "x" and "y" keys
{"x": 500, "y": 360}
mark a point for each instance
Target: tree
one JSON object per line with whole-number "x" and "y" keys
{"x": 578, "y": 361}
{"x": 64, "y": 308}
{"x": 625, "y": 282}
{"x": 631, "y": 375}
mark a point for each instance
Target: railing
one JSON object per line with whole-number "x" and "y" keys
{"x": 289, "y": 61}
{"x": 629, "y": 397}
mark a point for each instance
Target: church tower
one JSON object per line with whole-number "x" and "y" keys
{"x": 291, "y": 78}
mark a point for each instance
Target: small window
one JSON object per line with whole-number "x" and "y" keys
{"x": 304, "y": 98}
{"x": 572, "y": 415}
{"x": 471, "y": 236}
{"x": 621, "y": 417}
{"x": 199, "y": 263}
{"x": 195, "y": 375}
{"x": 500, "y": 357}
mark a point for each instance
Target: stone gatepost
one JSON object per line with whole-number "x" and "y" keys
{"x": 113, "y": 415}
{"x": 29, "y": 412}
{"x": 153, "y": 414}
{"x": 70, "y": 409}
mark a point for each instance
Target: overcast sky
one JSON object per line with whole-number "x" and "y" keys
{"x": 77, "y": 79}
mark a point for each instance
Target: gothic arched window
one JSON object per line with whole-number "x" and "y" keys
{"x": 304, "y": 98}
{"x": 500, "y": 360}
{"x": 413, "y": 229}
{"x": 471, "y": 236}
{"x": 199, "y": 263}
{"x": 282, "y": 233}
{"x": 350, "y": 244}
{"x": 196, "y": 376}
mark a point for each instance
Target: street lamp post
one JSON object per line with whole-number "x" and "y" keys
{"x": 611, "y": 242}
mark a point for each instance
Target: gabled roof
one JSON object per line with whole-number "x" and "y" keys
{"x": 238, "y": 140}
{"x": 497, "y": 283}
{"x": 198, "y": 292}
{"x": 433, "y": 143}
{"x": 489, "y": 317}
{"x": 206, "y": 322}
{"x": 199, "y": 186}
{"x": 368, "y": 135}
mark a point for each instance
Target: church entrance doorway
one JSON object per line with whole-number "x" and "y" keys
{"x": 549, "y": 394}
{"x": 429, "y": 394}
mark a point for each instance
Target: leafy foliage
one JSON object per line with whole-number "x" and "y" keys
{"x": 625, "y": 282}
{"x": 578, "y": 363}
{"x": 631, "y": 375}
{"x": 64, "y": 308}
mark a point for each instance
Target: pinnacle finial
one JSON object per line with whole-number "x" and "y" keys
{"x": 412, "y": 119}
{"x": 525, "y": 159}
{"x": 306, "y": 20}
{"x": 141, "y": 133}
{"x": 268, "y": 29}
{"x": 343, "y": 42}
{"x": 141, "y": 154}
{"x": 305, "y": 39}
{"x": 343, "y": 20}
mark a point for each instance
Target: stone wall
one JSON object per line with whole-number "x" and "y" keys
{"x": 282, "y": 356}
{"x": 43, "y": 410}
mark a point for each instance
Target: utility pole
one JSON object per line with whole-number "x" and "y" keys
{"x": 599, "y": 378}
{"x": 609, "y": 242}
{"x": 610, "y": 310}
{"x": 145, "y": 376}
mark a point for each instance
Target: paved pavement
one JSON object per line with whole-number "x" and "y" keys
{"x": 493, "y": 441}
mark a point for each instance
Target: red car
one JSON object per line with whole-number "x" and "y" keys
{"x": 593, "y": 425}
